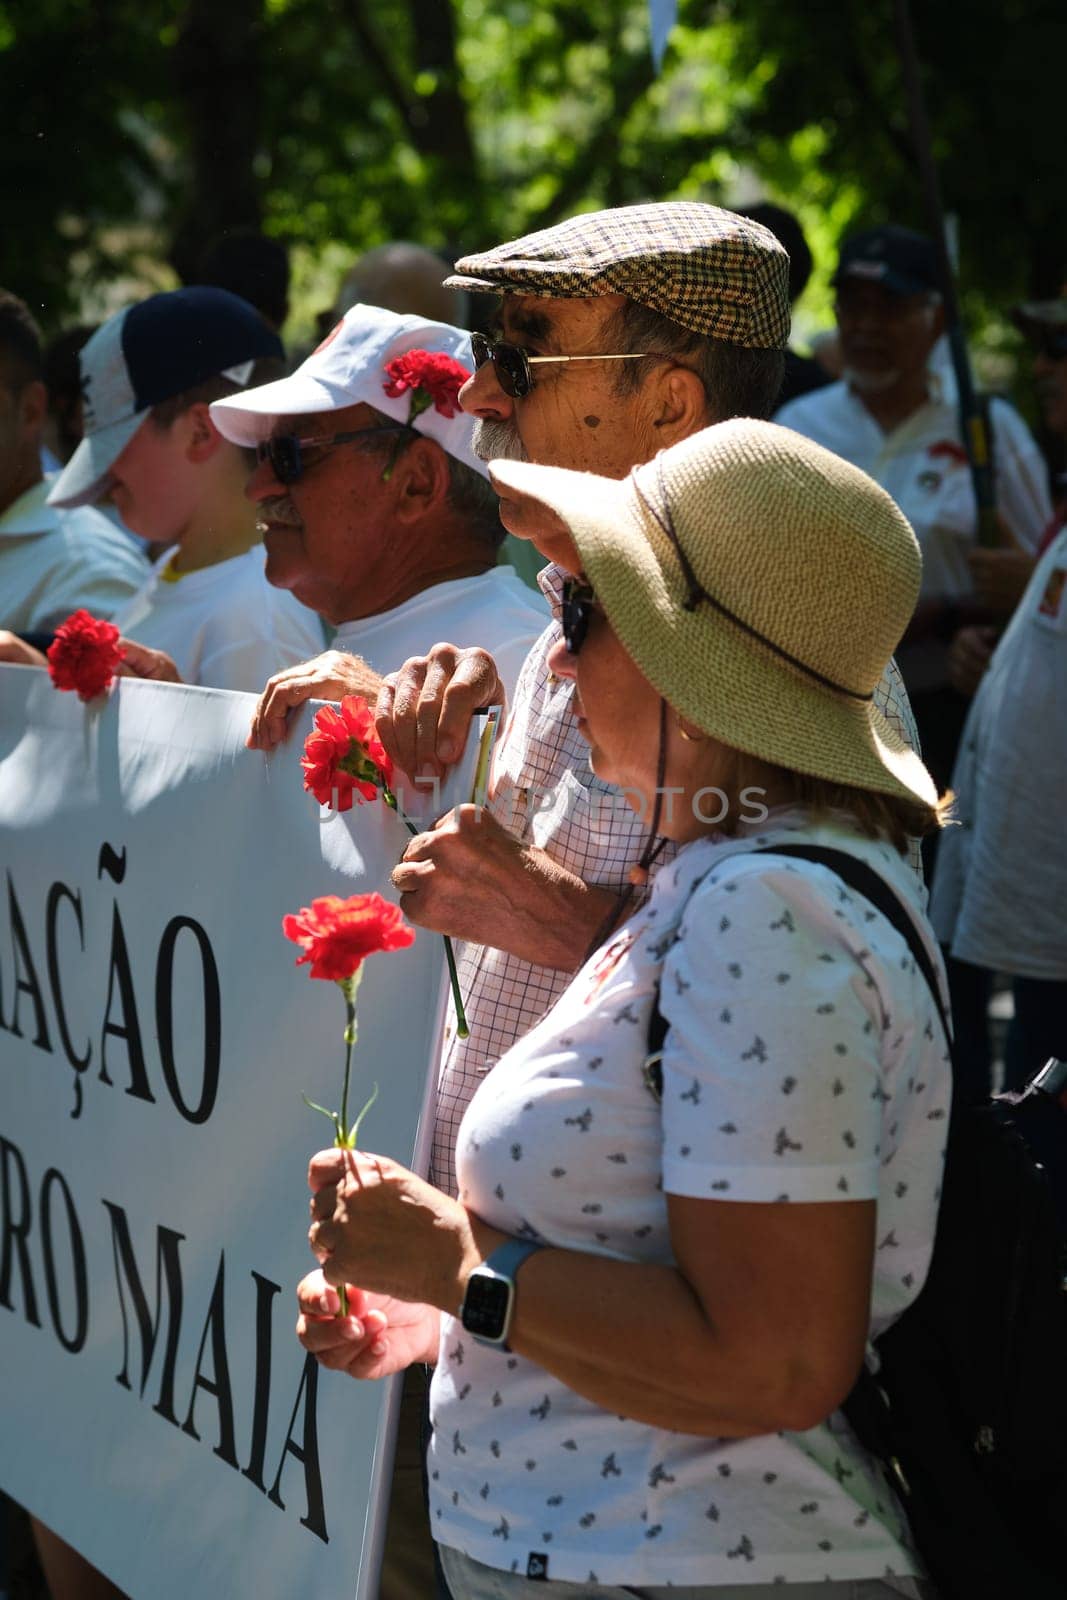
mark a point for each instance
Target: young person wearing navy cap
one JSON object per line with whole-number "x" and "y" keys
{"x": 149, "y": 375}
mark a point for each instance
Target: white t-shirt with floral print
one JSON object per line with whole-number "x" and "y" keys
{"x": 804, "y": 1062}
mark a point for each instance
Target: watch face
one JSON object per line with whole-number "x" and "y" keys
{"x": 485, "y": 1305}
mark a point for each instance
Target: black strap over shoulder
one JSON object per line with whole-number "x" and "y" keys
{"x": 866, "y": 882}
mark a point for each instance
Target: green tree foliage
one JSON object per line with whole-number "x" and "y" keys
{"x": 138, "y": 129}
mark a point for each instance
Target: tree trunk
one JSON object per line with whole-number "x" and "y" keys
{"x": 217, "y": 71}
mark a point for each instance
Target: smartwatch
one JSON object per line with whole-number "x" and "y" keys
{"x": 489, "y": 1299}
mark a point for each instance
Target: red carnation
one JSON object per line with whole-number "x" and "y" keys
{"x": 434, "y": 379}
{"x": 338, "y": 935}
{"x": 343, "y": 755}
{"x": 84, "y": 654}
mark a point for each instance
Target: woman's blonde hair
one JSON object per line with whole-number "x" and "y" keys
{"x": 879, "y": 816}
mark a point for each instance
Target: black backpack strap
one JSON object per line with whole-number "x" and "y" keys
{"x": 866, "y": 882}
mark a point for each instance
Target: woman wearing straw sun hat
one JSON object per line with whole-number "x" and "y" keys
{"x": 716, "y": 1160}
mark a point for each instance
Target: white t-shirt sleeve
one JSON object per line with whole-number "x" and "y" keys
{"x": 771, "y": 1068}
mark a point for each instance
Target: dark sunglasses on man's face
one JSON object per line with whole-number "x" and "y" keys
{"x": 576, "y": 610}
{"x": 512, "y": 363}
{"x": 286, "y": 452}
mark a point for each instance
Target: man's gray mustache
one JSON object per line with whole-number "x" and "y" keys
{"x": 280, "y": 512}
{"x": 495, "y": 441}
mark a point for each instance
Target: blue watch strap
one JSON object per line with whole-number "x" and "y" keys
{"x": 508, "y": 1257}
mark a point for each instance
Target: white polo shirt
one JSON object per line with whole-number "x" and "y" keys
{"x": 53, "y": 562}
{"x": 923, "y": 465}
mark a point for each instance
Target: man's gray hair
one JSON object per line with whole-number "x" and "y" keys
{"x": 470, "y": 496}
{"x": 738, "y": 381}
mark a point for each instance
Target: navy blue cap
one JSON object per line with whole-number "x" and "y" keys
{"x": 898, "y": 259}
{"x": 147, "y": 354}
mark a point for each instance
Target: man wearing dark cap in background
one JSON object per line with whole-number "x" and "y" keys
{"x": 890, "y": 417}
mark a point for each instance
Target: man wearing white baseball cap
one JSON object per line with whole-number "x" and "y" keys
{"x": 375, "y": 511}
{"x": 149, "y": 374}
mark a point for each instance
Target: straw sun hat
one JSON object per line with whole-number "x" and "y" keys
{"x": 803, "y": 575}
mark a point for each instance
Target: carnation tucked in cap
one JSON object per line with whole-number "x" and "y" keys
{"x": 150, "y": 353}
{"x": 761, "y": 584}
{"x": 406, "y": 367}
{"x": 706, "y": 269}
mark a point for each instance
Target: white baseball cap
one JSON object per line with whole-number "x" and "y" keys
{"x": 361, "y": 360}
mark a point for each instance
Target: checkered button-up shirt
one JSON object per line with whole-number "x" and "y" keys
{"x": 544, "y": 793}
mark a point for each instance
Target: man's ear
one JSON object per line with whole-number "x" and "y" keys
{"x": 681, "y": 405}
{"x": 421, "y": 479}
{"x": 202, "y": 438}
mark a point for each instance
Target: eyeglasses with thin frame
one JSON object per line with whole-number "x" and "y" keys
{"x": 576, "y": 610}
{"x": 512, "y": 363}
{"x": 286, "y": 452}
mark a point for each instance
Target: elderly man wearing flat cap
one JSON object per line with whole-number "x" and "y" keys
{"x": 620, "y": 333}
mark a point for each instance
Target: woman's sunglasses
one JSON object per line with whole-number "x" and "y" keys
{"x": 286, "y": 452}
{"x": 512, "y": 363}
{"x": 576, "y": 609}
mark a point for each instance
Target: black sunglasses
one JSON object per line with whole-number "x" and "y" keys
{"x": 512, "y": 363}
{"x": 575, "y": 611}
{"x": 285, "y": 453}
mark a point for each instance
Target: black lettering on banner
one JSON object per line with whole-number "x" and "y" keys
{"x": 111, "y": 862}
{"x": 54, "y": 1179}
{"x": 212, "y": 1018}
{"x": 265, "y": 1292}
{"x": 220, "y": 1386}
{"x": 57, "y": 894}
{"x": 25, "y": 974}
{"x": 129, "y": 1029}
{"x": 168, "y": 1271}
{"x": 307, "y": 1453}
{"x": 16, "y": 1228}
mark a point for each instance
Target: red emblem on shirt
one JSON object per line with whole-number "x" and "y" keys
{"x": 1052, "y": 599}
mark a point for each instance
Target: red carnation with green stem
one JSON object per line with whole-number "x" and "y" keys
{"x": 337, "y": 936}
{"x": 344, "y": 759}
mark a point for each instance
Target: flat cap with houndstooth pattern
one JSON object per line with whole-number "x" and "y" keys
{"x": 706, "y": 269}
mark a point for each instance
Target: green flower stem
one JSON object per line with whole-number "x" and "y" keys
{"x": 462, "y": 1029}
{"x": 349, "y": 988}
{"x": 453, "y": 977}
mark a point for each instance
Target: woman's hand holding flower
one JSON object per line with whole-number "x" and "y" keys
{"x": 377, "y": 1225}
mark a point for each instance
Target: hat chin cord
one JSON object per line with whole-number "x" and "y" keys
{"x": 653, "y": 846}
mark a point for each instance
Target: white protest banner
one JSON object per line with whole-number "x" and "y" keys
{"x": 155, "y": 1038}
